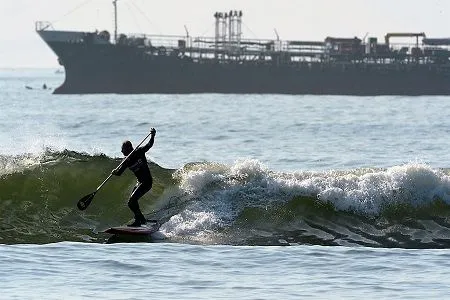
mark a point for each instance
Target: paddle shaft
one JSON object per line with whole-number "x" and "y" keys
{"x": 84, "y": 202}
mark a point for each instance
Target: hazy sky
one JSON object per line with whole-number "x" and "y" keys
{"x": 20, "y": 46}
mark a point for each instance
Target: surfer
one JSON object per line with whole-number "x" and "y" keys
{"x": 137, "y": 163}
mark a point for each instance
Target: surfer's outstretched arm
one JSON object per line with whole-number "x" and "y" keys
{"x": 151, "y": 141}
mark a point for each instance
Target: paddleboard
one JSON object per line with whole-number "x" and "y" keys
{"x": 146, "y": 229}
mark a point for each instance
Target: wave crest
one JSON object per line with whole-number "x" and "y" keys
{"x": 243, "y": 203}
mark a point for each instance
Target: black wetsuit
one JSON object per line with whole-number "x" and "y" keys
{"x": 137, "y": 163}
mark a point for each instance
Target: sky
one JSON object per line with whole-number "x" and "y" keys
{"x": 21, "y": 47}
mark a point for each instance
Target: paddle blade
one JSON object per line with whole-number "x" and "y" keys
{"x": 84, "y": 202}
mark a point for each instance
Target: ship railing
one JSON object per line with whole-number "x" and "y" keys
{"x": 235, "y": 45}
{"x": 421, "y": 54}
{"x": 232, "y": 47}
{"x": 392, "y": 54}
{"x": 294, "y": 51}
{"x": 168, "y": 41}
{"x": 43, "y": 25}
{"x": 307, "y": 48}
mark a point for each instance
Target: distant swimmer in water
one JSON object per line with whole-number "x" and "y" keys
{"x": 44, "y": 86}
{"x": 137, "y": 163}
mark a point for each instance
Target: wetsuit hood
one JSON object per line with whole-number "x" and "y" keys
{"x": 127, "y": 147}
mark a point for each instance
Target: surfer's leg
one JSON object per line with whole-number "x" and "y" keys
{"x": 133, "y": 203}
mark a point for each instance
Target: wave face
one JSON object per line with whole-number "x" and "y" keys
{"x": 245, "y": 203}
{"x": 38, "y": 196}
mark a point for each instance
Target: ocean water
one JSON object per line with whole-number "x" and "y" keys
{"x": 258, "y": 196}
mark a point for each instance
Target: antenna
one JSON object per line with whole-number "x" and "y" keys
{"x": 276, "y": 33}
{"x": 115, "y": 20}
{"x": 187, "y": 31}
{"x": 364, "y": 38}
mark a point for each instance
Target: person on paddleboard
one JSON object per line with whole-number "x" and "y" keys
{"x": 137, "y": 163}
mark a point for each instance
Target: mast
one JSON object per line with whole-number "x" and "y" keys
{"x": 115, "y": 20}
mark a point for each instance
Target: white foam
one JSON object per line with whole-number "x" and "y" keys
{"x": 15, "y": 164}
{"x": 190, "y": 223}
{"x": 368, "y": 193}
{"x": 218, "y": 193}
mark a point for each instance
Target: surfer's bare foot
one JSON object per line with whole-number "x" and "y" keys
{"x": 142, "y": 220}
{"x": 136, "y": 223}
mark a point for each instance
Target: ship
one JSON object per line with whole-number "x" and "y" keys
{"x": 100, "y": 62}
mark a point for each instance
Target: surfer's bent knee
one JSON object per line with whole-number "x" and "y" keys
{"x": 139, "y": 191}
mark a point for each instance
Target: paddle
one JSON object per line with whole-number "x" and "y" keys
{"x": 84, "y": 202}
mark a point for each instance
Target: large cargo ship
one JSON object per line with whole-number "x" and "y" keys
{"x": 98, "y": 62}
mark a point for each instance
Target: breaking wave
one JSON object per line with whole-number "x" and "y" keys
{"x": 244, "y": 203}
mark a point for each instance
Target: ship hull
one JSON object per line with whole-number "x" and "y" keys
{"x": 128, "y": 70}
